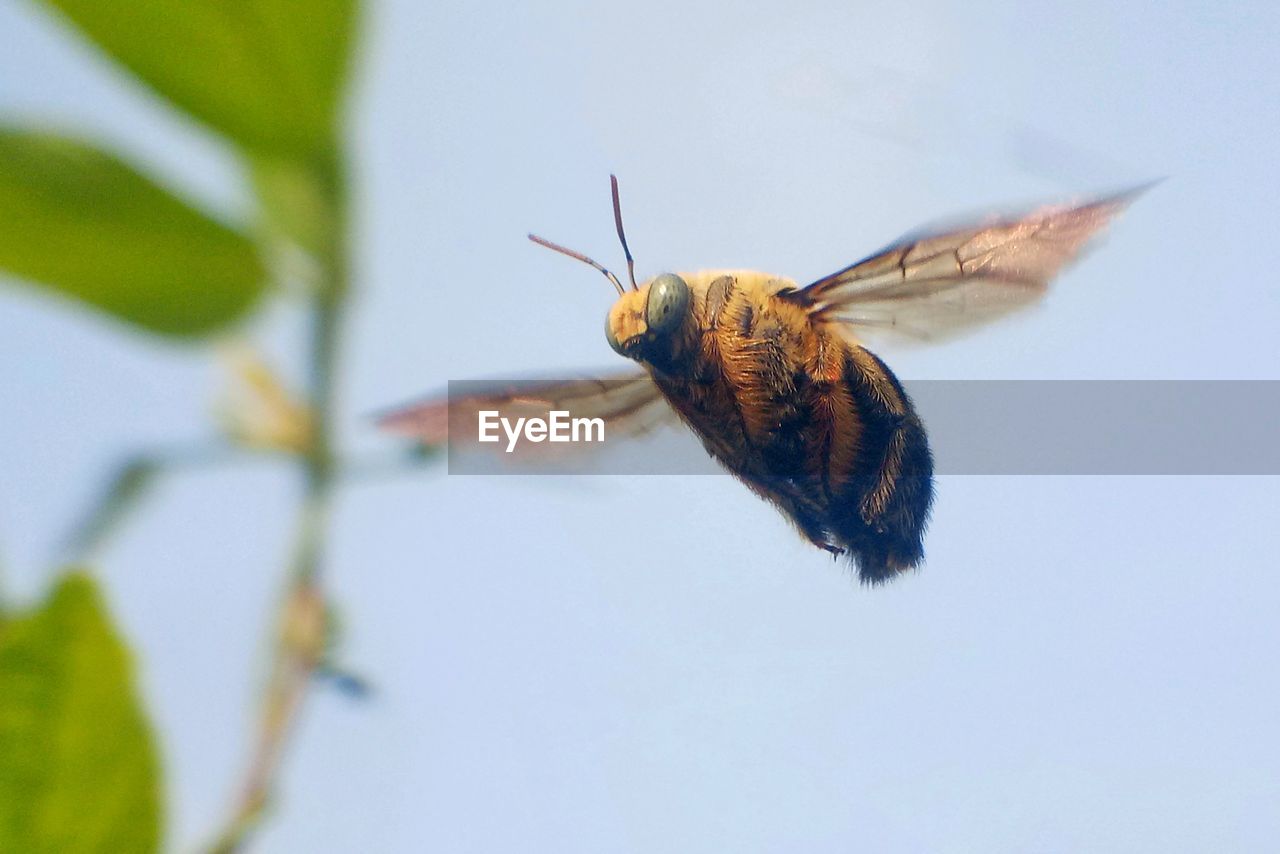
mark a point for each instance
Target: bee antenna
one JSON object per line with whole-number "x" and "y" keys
{"x": 622, "y": 236}
{"x": 556, "y": 247}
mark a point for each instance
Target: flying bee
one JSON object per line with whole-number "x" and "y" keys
{"x": 774, "y": 381}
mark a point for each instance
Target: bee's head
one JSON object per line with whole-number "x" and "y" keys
{"x": 642, "y": 323}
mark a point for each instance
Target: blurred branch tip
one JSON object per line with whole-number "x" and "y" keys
{"x": 257, "y": 410}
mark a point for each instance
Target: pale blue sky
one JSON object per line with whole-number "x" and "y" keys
{"x": 660, "y": 664}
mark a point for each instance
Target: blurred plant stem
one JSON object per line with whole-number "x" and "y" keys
{"x": 300, "y": 638}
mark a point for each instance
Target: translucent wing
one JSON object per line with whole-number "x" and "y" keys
{"x": 942, "y": 284}
{"x": 630, "y": 405}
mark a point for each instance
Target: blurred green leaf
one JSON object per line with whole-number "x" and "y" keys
{"x": 295, "y": 202}
{"x": 78, "y": 766}
{"x": 87, "y": 225}
{"x": 267, "y": 73}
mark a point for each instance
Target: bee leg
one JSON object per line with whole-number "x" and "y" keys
{"x": 818, "y": 537}
{"x": 813, "y": 530}
{"x": 796, "y": 507}
{"x": 836, "y": 551}
{"x": 820, "y": 540}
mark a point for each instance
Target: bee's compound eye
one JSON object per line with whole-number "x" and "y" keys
{"x": 668, "y": 302}
{"x": 610, "y": 337}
